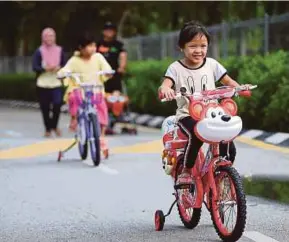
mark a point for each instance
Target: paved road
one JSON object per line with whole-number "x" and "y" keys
{"x": 42, "y": 200}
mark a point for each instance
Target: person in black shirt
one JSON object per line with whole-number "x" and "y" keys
{"x": 115, "y": 54}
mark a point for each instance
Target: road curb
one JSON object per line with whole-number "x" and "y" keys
{"x": 270, "y": 187}
{"x": 273, "y": 138}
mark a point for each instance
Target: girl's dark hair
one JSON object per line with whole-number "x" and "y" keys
{"x": 190, "y": 30}
{"x": 85, "y": 39}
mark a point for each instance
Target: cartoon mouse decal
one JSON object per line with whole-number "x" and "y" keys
{"x": 216, "y": 121}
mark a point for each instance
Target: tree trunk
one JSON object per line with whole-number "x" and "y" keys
{"x": 124, "y": 16}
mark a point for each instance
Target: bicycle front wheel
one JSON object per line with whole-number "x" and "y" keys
{"x": 228, "y": 221}
{"x": 94, "y": 141}
{"x": 82, "y": 138}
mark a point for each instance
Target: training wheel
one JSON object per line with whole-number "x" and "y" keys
{"x": 159, "y": 220}
{"x": 59, "y": 156}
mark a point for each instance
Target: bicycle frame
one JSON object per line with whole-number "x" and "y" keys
{"x": 86, "y": 108}
{"x": 204, "y": 173}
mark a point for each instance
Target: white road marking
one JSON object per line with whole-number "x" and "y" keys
{"x": 258, "y": 237}
{"x": 13, "y": 133}
{"x": 107, "y": 170}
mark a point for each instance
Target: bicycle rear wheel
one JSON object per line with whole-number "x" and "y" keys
{"x": 230, "y": 193}
{"x": 94, "y": 142}
{"x": 82, "y": 142}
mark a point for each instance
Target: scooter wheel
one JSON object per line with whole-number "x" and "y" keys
{"x": 159, "y": 220}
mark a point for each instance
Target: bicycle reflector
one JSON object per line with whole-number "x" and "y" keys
{"x": 230, "y": 106}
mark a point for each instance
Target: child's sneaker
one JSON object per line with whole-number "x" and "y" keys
{"x": 103, "y": 144}
{"x": 104, "y": 147}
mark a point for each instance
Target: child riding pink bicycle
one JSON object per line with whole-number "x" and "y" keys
{"x": 86, "y": 61}
{"x": 200, "y": 118}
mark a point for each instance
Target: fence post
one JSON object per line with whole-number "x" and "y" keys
{"x": 242, "y": 43}
{"x": 163, "y": 45}
{"x": 266, "y": 33}
{"x": 224, "y": 39}
{"x": 215, "y": 46}
{"x": 139, "y": 49}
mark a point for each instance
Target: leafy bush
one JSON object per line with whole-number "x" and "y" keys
{"x": 18, "y": 87}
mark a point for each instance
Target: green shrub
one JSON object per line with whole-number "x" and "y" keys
{"x": 18, "y": 87}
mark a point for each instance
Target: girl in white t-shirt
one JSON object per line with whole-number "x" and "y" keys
{"x": 195, "y": 72}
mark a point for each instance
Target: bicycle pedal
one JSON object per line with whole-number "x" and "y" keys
{"x": 182, "y": 186}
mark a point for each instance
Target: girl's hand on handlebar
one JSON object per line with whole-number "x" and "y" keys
{"x": 167, "y": 93}
{"x": 108, "y": 76}
{"x": 247, "y": 86}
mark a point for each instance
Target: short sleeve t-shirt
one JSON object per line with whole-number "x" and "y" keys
{"x": 194, "y": 80}
{"x": 76, "y": 64}
{"x": 111, "y": 51}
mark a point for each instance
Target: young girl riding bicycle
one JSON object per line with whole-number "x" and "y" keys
{"x": 196, "y": 72}
{"x": 86, "y": 61}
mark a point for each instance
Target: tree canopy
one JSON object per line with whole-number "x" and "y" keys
{"x": 21, "y": 22}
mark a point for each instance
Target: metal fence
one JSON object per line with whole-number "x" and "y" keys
{"x": 250, "y": 37}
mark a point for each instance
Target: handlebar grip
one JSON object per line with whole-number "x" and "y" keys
{"x": 247, "y": 93}
{"x": 167, "y": 100}
{"x": 106, "y": 72}
{"x": 253, "y": 87}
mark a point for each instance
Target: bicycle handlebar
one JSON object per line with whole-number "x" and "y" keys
{"x": 76, "y": 76}
{"x": 209, "y": 95}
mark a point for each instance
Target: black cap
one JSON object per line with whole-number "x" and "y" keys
{"x": 109, "y": 25}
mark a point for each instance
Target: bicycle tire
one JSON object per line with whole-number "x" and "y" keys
{"x": 239, "y": 227}
{"x": 83, "y": 149}
{"x": 95, "y": 142}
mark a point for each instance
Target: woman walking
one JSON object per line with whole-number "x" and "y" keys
{"x": 47, "y": 60}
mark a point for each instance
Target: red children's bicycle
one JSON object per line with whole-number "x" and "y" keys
{"x": 217, "y": 184}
